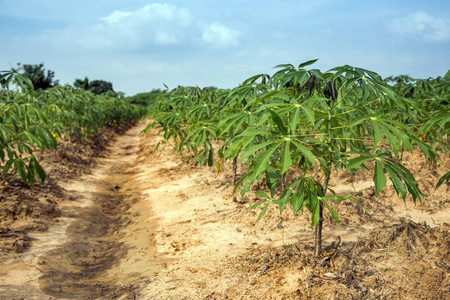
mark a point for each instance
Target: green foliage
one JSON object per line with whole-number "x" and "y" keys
{"x": 41, "y": 79}
{"x": 188, "y": 115}
{"x": 97, "y": 87}
{"x": 145, "y": 99}
{"x": 312, "y": 123}
{"x": 443, "y": 179}
{"x": 100, "y": 87}
{"x": 81, "y": 83}
{"x": 432, "y": 120}
{"x": 35, "y": 119}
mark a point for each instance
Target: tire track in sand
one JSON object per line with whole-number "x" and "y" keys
{"x": 95, "y": 240}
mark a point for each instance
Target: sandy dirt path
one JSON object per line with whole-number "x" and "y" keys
{"x": 72, "y": 258}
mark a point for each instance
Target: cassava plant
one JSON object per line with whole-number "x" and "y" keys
{"x": 33, "y": 119}
{"x": 188, "y": 115}
{"x": 22, "y": 128}
{"x": 317, "y": 124}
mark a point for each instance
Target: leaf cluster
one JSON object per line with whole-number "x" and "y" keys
{"x": 33, "y": 119}
{"x": 295, "y": 128}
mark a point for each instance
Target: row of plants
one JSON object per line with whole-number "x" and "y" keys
{"x": 33, "y": 119}
{"x": 292, "y": 130}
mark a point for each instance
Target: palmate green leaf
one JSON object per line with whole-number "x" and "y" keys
{"x": 236, "y": 146}
{"x": 332, "y": 212}
{"x": 399, "y": 186}
{"x": 20, "y": 166}
{"x": 294, "y": 119}
{"x": 263, "y": 211}
{"x": 241, "y": 180}
{"x": 35, "y": 167}
{"x": 8, "y": 165}
{"x": 255, "y": 148}
{"x": 253, "y": 131}
{"x": 247, "y": 183}
{"x": 285, "y": 160}
{"x": 285, "y": 79}
{"x": 286, "y": 195}
{"x": 378, "y": 178}
{"x": 446, "y": 177}
{"x": 391, "y": 138}
{"x": 272, "y": 96}
{"x": 408, "y": 178}
{"x": 258, "y": 204}
{"x": 254, "y": 78}
{"x": 317, "y": 74}
{"x": 358, "y": 161}
{"x": 3, "y": 136}
{"x": 307, "y": 63}
{"x": 403, "y": 137}
{"x": 49, "y": 138}
{"x": 276, "y": 118}
{"x": 334, "y": 198}
{"x": 427, "y": 149}
{"x": 440, "y": 118}
{"x": 447, "y": 75}
{"x": 20, "y": 146}
{"x": 297, "y": 201}
{"x": 309, "y": 113}
{"x": 233, "y": 122}
{"x": 260, "y": 163}
{"x": 377, "y": 134}
{"x": 357, "y": 121}
{"x": 284, "y": 66}
{"x": 272, "y": 178}
{"x": 261, "y": 194}
{"x": 315, "y": 203}
{"x": 302, "y": 78}
{"x": 211, "y": 157}
{"x": 305, "y": 151}
{"x": 32, "y": 139}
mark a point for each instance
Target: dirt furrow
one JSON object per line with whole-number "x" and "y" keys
{"x": 79, "y": 267}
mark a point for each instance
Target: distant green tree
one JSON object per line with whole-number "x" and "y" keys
{"x": 144, "y": 99}
{"x": 41, "y": 79}
{"x": 100, "y": 86}
{"x": 96, "y": 86}
{"x": 82, "y": 83}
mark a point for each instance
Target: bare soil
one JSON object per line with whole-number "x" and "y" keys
{"x": 118, "y": 220}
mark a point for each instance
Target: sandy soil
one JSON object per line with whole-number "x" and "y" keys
{"x": 118, "y": 220}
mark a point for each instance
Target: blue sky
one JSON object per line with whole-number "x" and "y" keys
{"x": 139, "y": 45}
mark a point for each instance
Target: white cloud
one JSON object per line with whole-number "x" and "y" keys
{"x": 422, "y": 25}
{"x": 116, "y": 17}
{"x": 162, "y": 24}
{"x": 145, "y": 28}
{"x": 148, "y": 28}
{"x": 221, "y": 36}
{"x": 155, "y": 12}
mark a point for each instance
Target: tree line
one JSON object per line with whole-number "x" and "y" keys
{"x": 43, "y": 79}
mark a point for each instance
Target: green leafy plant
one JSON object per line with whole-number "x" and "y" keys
{"x": 22, "y": 127}
{"x": 320, "y": 123}
{"x": 294, "y": 130}
{"x": 34, "y": 119}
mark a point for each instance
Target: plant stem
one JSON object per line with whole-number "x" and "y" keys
{"x": 319, "y": 226}
{"x": 235, "y": 170}
{"x": 318, "y": 237}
